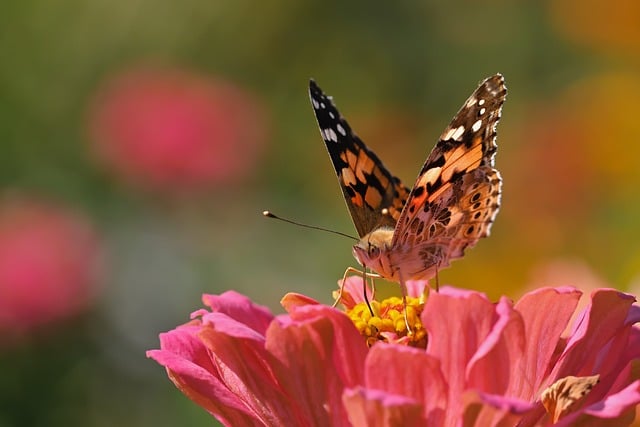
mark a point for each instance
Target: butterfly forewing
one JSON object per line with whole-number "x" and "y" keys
{"x": 374, "y": 196}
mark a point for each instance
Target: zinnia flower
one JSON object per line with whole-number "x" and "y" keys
{"x": 49, "y": 264}
{"x": 176, "y": 131}
{"x": 480, "y": 363}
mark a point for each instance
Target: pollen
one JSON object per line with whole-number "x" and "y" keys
{"x": 387, "y": 324}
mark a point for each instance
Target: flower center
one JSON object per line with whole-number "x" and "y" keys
{"x": 388, "y": 322}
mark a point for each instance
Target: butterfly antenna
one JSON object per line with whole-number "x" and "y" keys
{"x": 269, "y": 214}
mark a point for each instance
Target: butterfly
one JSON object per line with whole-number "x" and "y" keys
{"x": 410, "y": 234}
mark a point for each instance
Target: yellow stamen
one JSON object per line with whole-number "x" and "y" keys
{"x": 388, "y": 323}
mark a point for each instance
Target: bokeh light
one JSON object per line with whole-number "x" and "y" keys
{"x": 50, "y": 265}
{"x": 598, "y": 25}
{"x": 176, "y": 131}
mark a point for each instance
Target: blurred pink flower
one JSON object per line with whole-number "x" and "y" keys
{"x": 49, "y": 264}
{"x": 485, "y": 364}
{"x": 176, "y": 131}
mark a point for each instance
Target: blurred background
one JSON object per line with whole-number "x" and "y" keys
{"x": 140, "y": 141}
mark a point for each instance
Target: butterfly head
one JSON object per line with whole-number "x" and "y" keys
{"x": 371, "y": 250}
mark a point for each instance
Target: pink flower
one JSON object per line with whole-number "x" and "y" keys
{"x": 485, "y": 364}
{"x": 172, "y": 130}
{"x": 247, "y": 367}
{"x": 49, "y": 264}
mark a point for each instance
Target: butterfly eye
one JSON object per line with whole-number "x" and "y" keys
{"x": 374, "y": 251}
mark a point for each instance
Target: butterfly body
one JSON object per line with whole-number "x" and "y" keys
{"x": 412, "y": 234}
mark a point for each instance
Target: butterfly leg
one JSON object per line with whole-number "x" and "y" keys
{"x": 403, "y": 289}
{"x": 437, "y": 280}
{"x": 404, "y": 304}
{"x": 364, "y": 275}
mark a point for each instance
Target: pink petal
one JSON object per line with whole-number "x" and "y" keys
{"x": 614, "y": 368}
{"x": 496, "y": 365}
{"x": 231, "y": 327}
{"x": 333, "y": 352}
{"x": 408, "y": 372}
{"x": 292, "y": 300}
{"x": 247, "y": 369}
{"x": 353, "y": 292}
{"x": 206, "y": 390}
{"x": 598, "y": 324}
{"x": 545, "y": 313}
{"x": 240, "y": 308}
{"x": 510, "y": 404}
{"x": 415, "y": 288}
{"x": 189, "y": 367}
{"x": 634, "y": 315}
{"x": 624, "y": 377}
{"x": 457, "y": 322}
{"x": 350, "y": 348}
{"x": 633, "y": 346}
{"x": 484, "y": 410}
{"x": 243, "y": 364}
{"x": 374, "y": 408}
{"x": 184, "y": 343}
{"x": 617, "y": 404}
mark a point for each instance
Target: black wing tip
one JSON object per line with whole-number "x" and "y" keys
{"x": 314, "y": 89}
{"x": 313, "y": 85}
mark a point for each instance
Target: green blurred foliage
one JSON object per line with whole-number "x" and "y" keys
{"x": 398, "y": 71}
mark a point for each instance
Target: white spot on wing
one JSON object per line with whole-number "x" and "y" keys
{"x": 447, "y": 135}
{"x": 315, "y": 104}
{"x": 457, "y": 133}
{"x": 453, "y": 133}
{"x": 476, "y": 126}
{"x": 482, "y": 111}
{"x": 471, "y": 101}
{"x": 331, "y": 135}
{"x": 341, "y": 130}
{"x": 481, "y": 102}
{"x": 333, "y": 116}
{"x": 322, "y": 105}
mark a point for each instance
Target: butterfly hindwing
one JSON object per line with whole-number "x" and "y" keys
{"x": 374, "y": 196}
{"x": 457, "y": 194}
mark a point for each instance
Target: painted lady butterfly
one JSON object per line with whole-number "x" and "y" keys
{"x": 412, "y": 234}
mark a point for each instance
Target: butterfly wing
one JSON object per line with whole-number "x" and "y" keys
{"x": 457, "y": 194}
{"x": 375, "y": 198}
